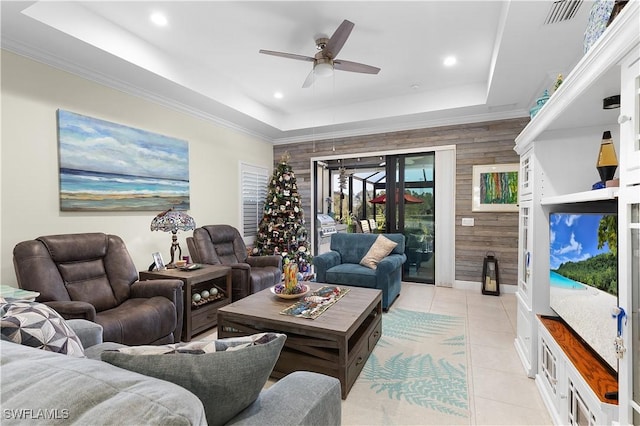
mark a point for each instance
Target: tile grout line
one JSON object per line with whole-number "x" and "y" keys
{"x": 470, "y": 382}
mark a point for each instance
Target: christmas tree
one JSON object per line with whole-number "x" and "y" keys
{"x": 281, "y": 230}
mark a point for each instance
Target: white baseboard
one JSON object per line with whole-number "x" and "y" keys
{"x": 477, "y": 286}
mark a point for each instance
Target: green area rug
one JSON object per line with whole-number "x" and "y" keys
{"x": 417, "y": 373}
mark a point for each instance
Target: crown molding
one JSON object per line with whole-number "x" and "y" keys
{"x": 311, "y": 134}
{"x": 422, "y": 124}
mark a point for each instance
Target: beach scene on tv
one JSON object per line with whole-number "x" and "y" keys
{"x": 583, "y": 277}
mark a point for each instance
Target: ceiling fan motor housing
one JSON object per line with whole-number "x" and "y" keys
{"x": 321, "y": 43}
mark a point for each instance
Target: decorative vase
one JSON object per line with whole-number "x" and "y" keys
{"x": 607, "y": 163}
{"x": 597, "y": 22}
{"x": 539, "y": 104}
{"x": 290, "y": 271}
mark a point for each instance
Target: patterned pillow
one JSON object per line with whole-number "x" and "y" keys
{"x": 37, "y": 325}
{"x": 378, "y": 251}
{"x": 227, "y": 375}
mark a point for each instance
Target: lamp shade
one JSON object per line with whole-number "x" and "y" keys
{"x": 172, "y": 221}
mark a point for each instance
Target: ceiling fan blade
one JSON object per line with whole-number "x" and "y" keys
{"x": 287, "y": 55}
{"x": 309, "y": 80}
{"x": 337, "y": 40}
{"x": 343, "y": 65}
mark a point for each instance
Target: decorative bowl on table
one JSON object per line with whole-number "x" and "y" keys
{"x": 299, "y": 291}
{"x": 189, "y": 267}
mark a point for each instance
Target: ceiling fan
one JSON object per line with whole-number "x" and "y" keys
{"x": 324, "y": 62}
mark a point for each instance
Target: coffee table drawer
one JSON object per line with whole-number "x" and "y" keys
{"x": 375, "y": 336}
{"x": 359, "y": 360}
{"x": 361, "y": 356}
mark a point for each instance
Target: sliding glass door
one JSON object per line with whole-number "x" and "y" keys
{"x": 410, "y": 210}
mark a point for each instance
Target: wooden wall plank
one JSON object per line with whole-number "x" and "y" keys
{"x": 476, "y": 144}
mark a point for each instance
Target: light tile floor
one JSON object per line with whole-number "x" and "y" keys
{"x": 501, "y": 393}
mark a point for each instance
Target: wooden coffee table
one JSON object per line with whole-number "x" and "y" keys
{"x": 337, "y": 343}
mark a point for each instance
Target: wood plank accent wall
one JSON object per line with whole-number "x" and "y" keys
{"x": 476, "y": 144}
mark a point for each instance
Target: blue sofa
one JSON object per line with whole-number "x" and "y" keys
{"x": 341, "y": 265}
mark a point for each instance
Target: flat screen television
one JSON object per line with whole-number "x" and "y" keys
{"x": 583, "y": 277}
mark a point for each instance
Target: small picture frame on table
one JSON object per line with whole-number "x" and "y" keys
{"x": 158, "y": 262}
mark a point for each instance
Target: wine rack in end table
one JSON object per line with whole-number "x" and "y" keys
{"x": 201, "y": 315}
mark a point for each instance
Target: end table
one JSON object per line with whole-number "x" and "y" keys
{"x": 198, "y": 317}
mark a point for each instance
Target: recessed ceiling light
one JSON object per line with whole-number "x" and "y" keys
{"x": 278, "y": 95}
{"x": 450, "y": 61}
{"x": 159, "y": 19}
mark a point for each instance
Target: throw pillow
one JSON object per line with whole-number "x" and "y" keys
{"x": 227, "y": 375}
{"x": 378, "y": 251}
{"x": 37, "y": 325}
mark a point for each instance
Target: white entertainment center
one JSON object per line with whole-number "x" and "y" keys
{"x": 558, "y": 151}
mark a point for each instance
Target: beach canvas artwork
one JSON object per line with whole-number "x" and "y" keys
{"x": 106, "y": 166}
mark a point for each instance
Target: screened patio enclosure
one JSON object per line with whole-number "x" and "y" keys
{"x": 355, "y": 189}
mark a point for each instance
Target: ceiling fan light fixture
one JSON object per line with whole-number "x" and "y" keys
{"x": 323, "y": 69}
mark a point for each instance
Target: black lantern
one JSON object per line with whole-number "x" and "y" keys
{"x": 490, "y": 279}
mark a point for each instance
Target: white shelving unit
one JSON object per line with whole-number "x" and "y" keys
{"x": 582, "y": 197}
{"x": 564, "y": 389}
{"x": 558, "y": 151}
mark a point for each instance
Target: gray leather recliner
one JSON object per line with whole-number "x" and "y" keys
{"x": 223, "y": 245}
{"x": 92, "y": 276}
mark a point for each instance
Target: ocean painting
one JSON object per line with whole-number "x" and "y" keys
{"x": 106, "y": 166}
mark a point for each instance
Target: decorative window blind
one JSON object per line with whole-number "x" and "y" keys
{"x": 254, "y": 192}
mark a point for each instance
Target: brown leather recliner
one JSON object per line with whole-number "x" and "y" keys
{"x": 92, "y": 276}
{"x": 223, "y": 245}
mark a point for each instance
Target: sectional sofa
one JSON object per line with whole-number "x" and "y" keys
{"x": 55, "y": 388}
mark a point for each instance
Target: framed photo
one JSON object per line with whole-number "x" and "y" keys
{"x": 157, "y": 260}
{"x": 495, "y": 188}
